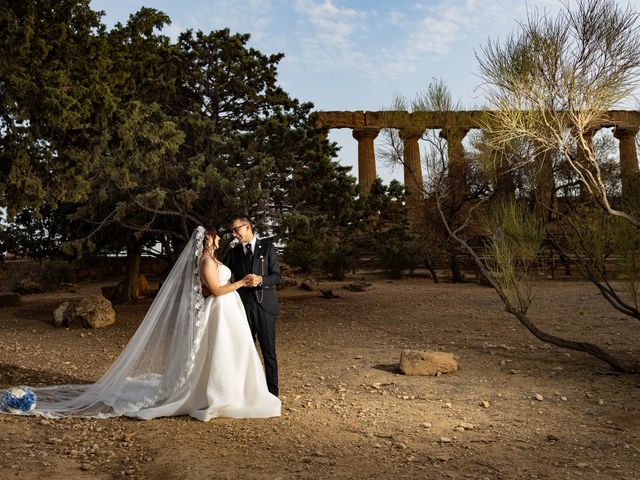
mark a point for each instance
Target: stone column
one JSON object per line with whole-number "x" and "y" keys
{"x": 628, "y": 161}
{"x": 366, "y": 157}
{"x": 413, "y": 181}
{"x": 457, "y": 164}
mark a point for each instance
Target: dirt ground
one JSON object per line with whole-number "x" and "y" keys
{"x": 347, "y": 412}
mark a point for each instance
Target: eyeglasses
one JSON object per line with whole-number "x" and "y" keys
{"x": 235, "y": 229}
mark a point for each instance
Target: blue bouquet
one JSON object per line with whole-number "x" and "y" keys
{"x": 18, "y": 400}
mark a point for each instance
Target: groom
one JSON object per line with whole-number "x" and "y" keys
{"x": 260, "y": 259}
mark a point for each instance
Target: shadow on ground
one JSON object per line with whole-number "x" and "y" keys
{"x": 13, "y": 375}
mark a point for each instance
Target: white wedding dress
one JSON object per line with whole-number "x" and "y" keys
{"x": 189, "y": 356}
{"x": 228, "y": 379}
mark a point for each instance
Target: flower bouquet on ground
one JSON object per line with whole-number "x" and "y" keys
{"x": 18, "y": 400}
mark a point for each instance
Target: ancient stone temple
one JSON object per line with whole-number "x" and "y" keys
{"x": 453, "y": 127}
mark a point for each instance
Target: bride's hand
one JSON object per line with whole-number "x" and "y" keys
{"x": 246, "y": 281}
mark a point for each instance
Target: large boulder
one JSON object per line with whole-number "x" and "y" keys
{"x": 10, "y": 299}
{"x": 31, "y": 284}
{"x": 287, "y": 282}
{"x": 60, "y": 315}
{"x": 415, "y": 362}
{"x": 94, "y": 311}
{"x": 309, "y": 284}
{"x": 362, "y": 286}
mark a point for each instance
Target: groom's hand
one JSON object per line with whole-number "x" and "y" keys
{"x": 256, "y": 280}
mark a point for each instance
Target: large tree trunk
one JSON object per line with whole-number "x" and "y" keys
{"x": 619, "y": 364}
{"x": 428, "y": 263}
{"x": 622, "y": 365}
{"x": 130, "y": 290}
{"x": 456, "y": 274}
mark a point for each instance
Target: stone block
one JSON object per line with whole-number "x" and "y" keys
{"x": 415, "y": 362}
{"x": 93, "y": 311}
{"x": 359, "y": 286}
{"x": 309, "y": 284}
{"x": 287, "y": 282}
{"x": 60, "y": 315}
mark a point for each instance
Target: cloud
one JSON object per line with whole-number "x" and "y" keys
{"x": 242, "y": 16}
{"x": 333, "y": 25}
{"x": 397, "y": 18}
{"x": 437, "y": 27}
{"x": 327, "y": 35}
{"x": 394, "y": 42}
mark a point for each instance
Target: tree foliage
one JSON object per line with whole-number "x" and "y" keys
{"x": 140, "y": 138}
{"x": 552, "y": 82}
{"x": 55, "y": 101}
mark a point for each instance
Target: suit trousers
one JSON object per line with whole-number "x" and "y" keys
{"x": 263, "y": 326}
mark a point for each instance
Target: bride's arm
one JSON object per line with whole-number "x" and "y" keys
{"x": 210, "y": 279}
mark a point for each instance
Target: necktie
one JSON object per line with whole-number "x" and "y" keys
{"x": 248, "y": 256}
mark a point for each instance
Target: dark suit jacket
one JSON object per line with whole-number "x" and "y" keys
{"x": 265, "y": 263}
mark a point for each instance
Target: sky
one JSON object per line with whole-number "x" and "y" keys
{"x": 356, "y": 54}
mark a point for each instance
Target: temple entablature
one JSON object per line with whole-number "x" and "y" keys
{"x": 454, "y": 126}
{"x": 464, "y": 120}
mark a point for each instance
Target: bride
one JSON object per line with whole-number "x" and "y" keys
{"x": 189, "y": 356}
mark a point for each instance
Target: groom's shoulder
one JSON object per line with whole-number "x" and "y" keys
{"x": 266, "y": 242}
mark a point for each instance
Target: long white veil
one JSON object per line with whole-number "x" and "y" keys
{"x": 155, "y": 366}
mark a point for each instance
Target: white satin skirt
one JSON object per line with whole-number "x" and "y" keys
{"x": 228, "y": 379}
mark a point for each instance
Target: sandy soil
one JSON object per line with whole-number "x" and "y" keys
{"x": 347, "y": 412}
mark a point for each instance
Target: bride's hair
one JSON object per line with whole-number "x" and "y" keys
{"x": 208, "y": 242}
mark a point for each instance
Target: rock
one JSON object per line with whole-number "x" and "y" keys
{"x": 60, "y": 315}
{"x": 94, "y": 311}
{"x": 328, "y": 294}
{"x": 414, "y": 362}
{"x": 359, "y": 286}
{"x": 10, "y": 299}
{"x": 465, "y": 425}
{"x": 425, "y": 425}
{"x": 30, "y": 284}
{"x": 445, "y": 440}
{"x": 485, "y": 403}
{"x": 309, "y": 284}
{"x": 538, "y": 397}
{"x": 287, "y": 282}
